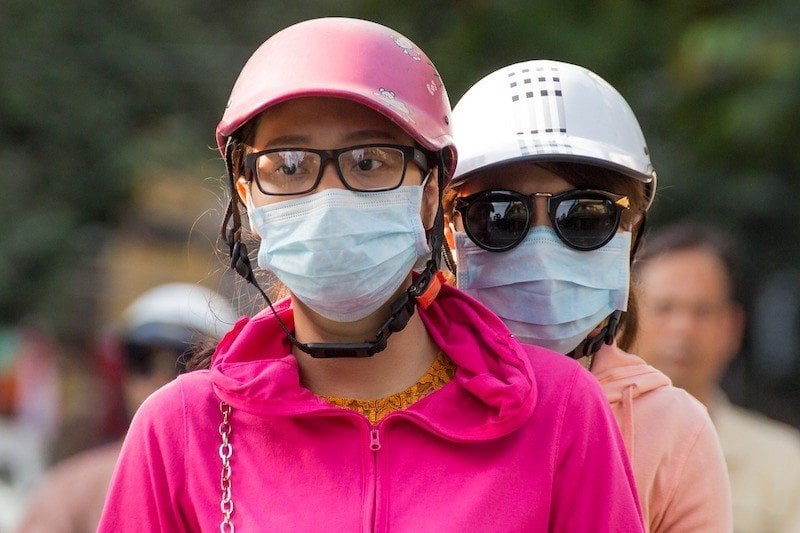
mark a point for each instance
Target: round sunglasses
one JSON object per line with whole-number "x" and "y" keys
{"x": 584, "y": 219}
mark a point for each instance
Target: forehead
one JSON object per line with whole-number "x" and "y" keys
{"x": 325, "y": 123}
{"x": 523, "y": 177}
{"x": 692, "y": 274}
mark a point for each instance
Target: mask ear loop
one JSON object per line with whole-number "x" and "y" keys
{"x": 423, "y": 290}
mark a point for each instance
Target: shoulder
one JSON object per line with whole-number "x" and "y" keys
{"x": 562, "y": 381}
{"x": 96, "y": 460}
{"x": 672, "y": 427}
{"x": 73, "y": 491}
{"x": 554, "y": 372}
{"x": 770, "y": 436}
{"x": 175, "y": 401}
{"x": 548, "y": 364}
{"x": 671, "y": 407}
{"x": 189, "y": 386}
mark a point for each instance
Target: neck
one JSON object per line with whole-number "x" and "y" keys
{"x": 407, "y": 357}
{"x": 705, "y": 395}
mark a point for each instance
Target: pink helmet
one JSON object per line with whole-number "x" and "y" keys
{"x": 346, "y": 58}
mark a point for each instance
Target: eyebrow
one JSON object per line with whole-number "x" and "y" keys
{"x": 355, "y": 136}
{"x": 363, "y": 135}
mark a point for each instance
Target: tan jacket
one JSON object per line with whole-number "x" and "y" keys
{"x": 763, "y": 459}
{"x": 677, "y": 461}
{"x": 70, "y": 497}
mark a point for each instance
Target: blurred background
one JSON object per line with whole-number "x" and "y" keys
{"x": 111, "y": 185}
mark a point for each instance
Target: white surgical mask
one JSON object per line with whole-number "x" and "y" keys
{"x": 342, "y": 253}
{"x": 547, "y": 293}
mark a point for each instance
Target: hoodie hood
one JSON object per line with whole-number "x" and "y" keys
{"x": 492, "y": 393}
{"x": 618, "y": 371}
{"x": 625, "y": 377}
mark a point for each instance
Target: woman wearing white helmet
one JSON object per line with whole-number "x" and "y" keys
{"x": 370, "y": 399}
{"x": 156, "y": 332}
{"x": 545, "y": 210}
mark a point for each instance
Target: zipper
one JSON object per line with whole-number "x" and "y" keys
{"x": 374, "y": 439}
{"x": 374, "y": 446}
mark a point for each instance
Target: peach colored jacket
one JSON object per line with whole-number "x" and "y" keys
{"x": 673, "y": 447}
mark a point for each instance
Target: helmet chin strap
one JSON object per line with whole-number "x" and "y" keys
{"x": 423, "y": 290}
{"x": 590, "y": 345}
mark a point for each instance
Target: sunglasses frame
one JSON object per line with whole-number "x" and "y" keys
{"x": 619, "y": 201}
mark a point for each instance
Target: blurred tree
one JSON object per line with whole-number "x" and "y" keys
{"x": 99, "y": 96}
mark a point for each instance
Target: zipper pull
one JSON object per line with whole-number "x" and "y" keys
{"x": 374, "y": 441}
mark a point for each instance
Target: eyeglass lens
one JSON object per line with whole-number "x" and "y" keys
{"x": 586, "y": 222}
{"x": 497, "y": 222}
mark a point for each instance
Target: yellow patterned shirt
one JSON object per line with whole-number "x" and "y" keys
{"x": 440, "y": 372}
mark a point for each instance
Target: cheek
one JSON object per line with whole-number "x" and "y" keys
{"x": 430, "y": 202}
{"x": 457, "y": 221}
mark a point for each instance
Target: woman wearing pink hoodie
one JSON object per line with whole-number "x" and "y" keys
{"x": 373, "y": 398}
{"x": 546, "y": 207}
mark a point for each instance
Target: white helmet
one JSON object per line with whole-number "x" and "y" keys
{"x": 549, "y": 111}
{"x": 175, "y": 312}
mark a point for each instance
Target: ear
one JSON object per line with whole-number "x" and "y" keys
{"x": 636, "y": 227}
{"x": 738, "y": 321}
{"x": 633, "y": 223}
{"x": 430, "y": 200}
{"x": 243, "y": 189}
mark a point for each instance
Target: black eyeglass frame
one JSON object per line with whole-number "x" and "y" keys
{"x": 619, "y": 201}
{"x": 410, "y": 154}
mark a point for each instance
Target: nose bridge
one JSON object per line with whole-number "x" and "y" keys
{"x": 330, "y": 179}
{"x": 681, "y": 318}
{"x": 540, "y": 217}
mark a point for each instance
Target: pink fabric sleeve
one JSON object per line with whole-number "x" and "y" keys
{"x": 150, "y": 476}
{"x": 700, "y": 499}
{"x": 594, "y": 489}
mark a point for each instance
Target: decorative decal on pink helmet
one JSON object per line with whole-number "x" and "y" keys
{"x": 408, "y": 48}
{"x": 299, "y": 61}
{"x": 390, "y": 99}
{"x": 432, "y": 87}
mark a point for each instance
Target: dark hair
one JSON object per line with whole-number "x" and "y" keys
{"x": 687, "y": 235}
{"x": 201, "y": 358}
{"x": 239, "y": 140}
{"x": 584, "y": 176}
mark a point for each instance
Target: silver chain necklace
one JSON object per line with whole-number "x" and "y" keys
{"x": 225, "y": 453}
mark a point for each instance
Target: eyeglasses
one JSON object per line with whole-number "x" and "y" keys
{"x": 583, "y": 219}
{"x": 366, "y": 167}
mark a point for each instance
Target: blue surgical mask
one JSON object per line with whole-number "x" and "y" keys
{"x": 342, "y": 253}
{"x": 547, "y": 294}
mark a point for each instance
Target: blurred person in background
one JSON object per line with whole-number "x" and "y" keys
{"x": 692, "y": 322}
{"x": 547, "y": 204}
{"x": 29, "y": 413}
{"x": 156, "y": 334}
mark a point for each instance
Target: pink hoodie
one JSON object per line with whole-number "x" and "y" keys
{"x": 520, "y": 440}
{"x": 677, "y": 460}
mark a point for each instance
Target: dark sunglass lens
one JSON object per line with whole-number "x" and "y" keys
{"x": 497, "y": 222}
{"x": 586, "y": 223}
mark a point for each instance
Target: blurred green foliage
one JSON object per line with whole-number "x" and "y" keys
{"x": 95, "y": 96}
